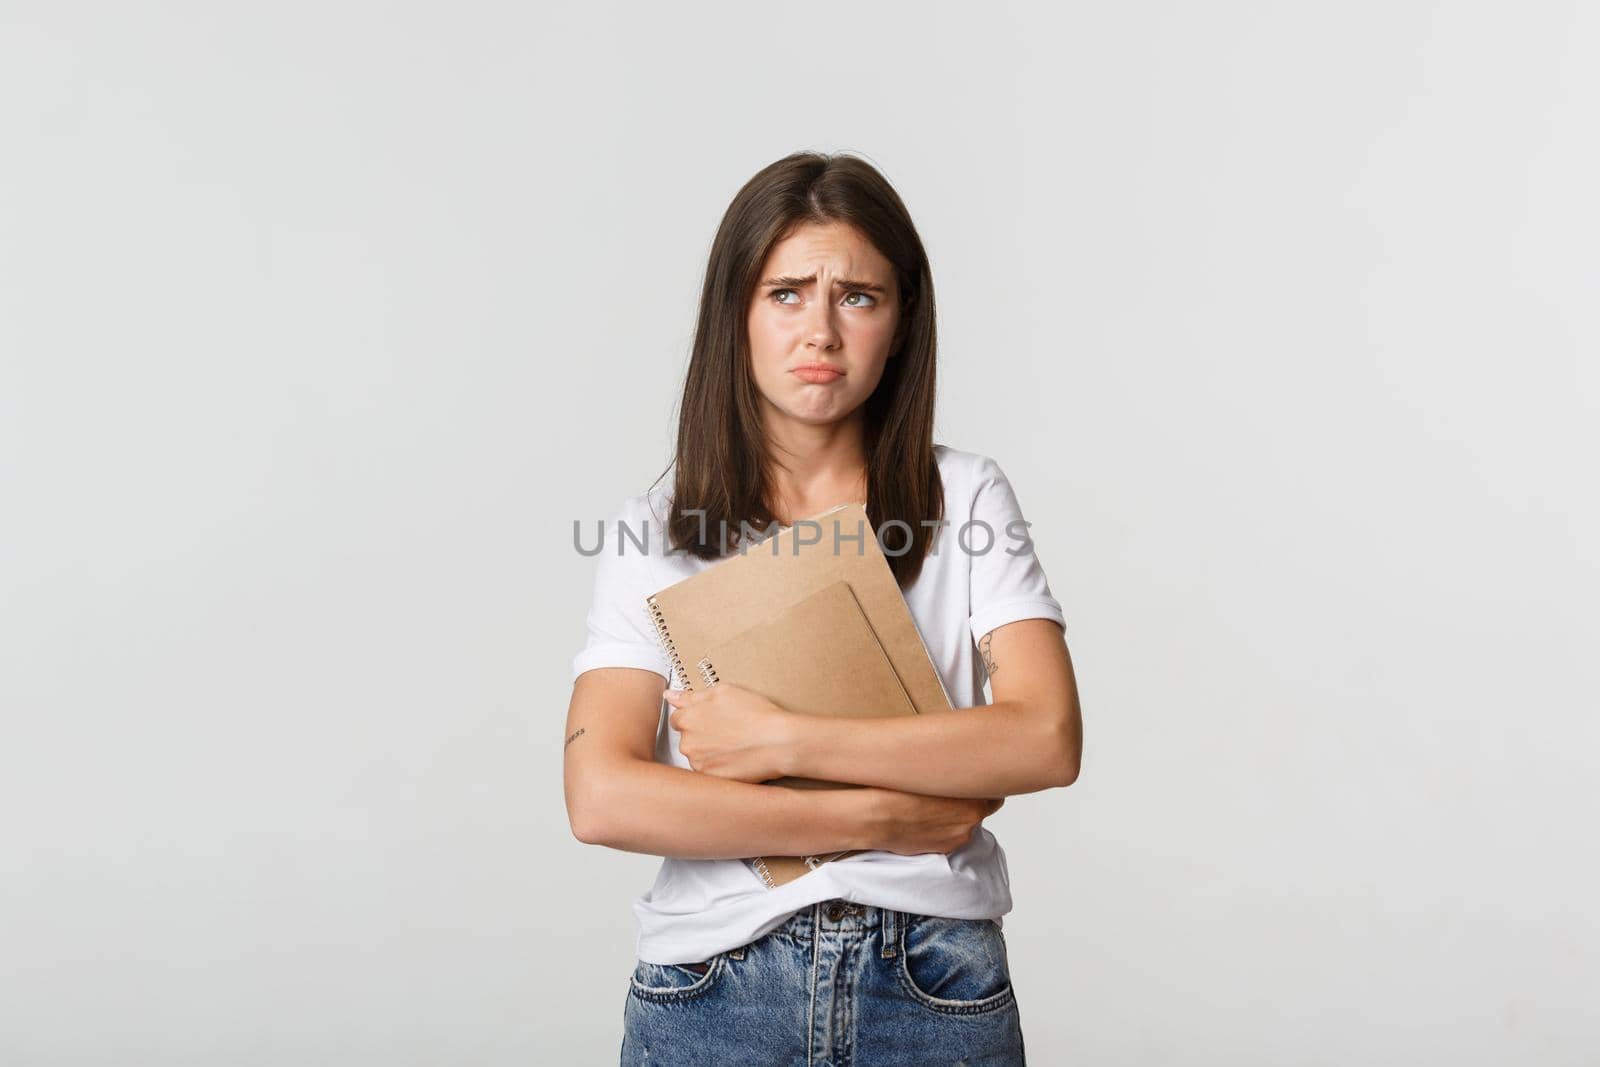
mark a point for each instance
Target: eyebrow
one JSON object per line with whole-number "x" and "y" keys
{"x": 789, "y": 281}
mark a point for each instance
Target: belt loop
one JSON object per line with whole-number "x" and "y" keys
{"x": 891, "y": 931}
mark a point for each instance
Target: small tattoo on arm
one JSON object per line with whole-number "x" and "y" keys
{"x": 575, "y": 735}
{"x": 988, "y": 653}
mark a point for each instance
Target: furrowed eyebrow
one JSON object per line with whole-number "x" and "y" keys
{"x": 789, "y": 281}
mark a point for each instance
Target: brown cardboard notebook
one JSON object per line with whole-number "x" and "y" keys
{"x": 817, "y": 657}
{"x": 751, "y": 587}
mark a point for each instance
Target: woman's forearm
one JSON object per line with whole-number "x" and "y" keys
{"x": 642, "y": 806}
{"x": 991, "y": 750}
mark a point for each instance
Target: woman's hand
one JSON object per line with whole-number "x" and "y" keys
{"x": 732, "y": 732}
{"x": 911, "y": 824}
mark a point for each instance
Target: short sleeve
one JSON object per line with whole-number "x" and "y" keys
{"x": 621, "y": 632}
{"x": 1008, "y": 582}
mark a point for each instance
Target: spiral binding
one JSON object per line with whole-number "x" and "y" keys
{"x": 817, "y": 861}
{"x": 665, "y": 638}
{"x": 760, "y": 866}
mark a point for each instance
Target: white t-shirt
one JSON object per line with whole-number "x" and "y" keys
{"x": 697, "y": 908}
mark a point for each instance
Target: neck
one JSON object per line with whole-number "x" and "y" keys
{"x": 814, "y": 467}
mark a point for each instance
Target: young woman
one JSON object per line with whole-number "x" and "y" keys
{"x": 811, "y": 384}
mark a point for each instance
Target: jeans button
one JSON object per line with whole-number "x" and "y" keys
{"x": 835, "y": 912}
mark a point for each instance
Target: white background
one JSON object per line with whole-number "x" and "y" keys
{"x": 321, "y": 323}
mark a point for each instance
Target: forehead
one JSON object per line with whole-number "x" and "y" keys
{"x": 833, "y": 246}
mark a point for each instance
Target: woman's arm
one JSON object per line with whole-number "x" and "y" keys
{"x": 617, "y": 795}
{"x": 1030, "y": 738}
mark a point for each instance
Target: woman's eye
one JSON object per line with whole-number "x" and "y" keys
{"x": 868, "y": 301}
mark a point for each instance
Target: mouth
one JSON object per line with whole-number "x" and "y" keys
{"x": 817, "y": 373}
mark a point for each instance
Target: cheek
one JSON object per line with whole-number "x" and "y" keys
{"x": 869, "y": 340}
{"x": 767, "y": 338}
{"x": 870, "y": 333}
{"x": 772, "y": 343}
{"x": 759, "y": 327}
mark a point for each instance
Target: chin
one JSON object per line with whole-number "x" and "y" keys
{"x": 823, "y": 418}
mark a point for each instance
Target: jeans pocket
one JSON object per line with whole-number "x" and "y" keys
{"x": 670, "y": 982}
{"x": 956, "y": 966}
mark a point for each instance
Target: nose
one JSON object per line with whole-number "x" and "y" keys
{"x": 820, "y": 330}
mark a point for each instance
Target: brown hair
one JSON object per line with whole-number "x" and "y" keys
{"x": 722, "y": 449}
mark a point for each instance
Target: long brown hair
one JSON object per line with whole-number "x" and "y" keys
{"x": 723, "y": 449}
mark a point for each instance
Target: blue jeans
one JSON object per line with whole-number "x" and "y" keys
{"x": 836, "y": 985}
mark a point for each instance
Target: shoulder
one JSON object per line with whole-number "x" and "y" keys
{"x": 965, "y": 474}
{"x": 645, "y": 510}
{"x": 630, "y": 539}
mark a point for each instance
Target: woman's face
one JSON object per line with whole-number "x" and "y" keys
{"x": 825, "y": 297}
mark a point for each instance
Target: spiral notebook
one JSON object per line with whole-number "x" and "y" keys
{"x": 702, "y": 616}
{"x": 817, "y": 657}
{"x": 749, "y": 588}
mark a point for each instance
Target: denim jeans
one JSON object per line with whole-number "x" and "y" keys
{"x": 836, "y": 985}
